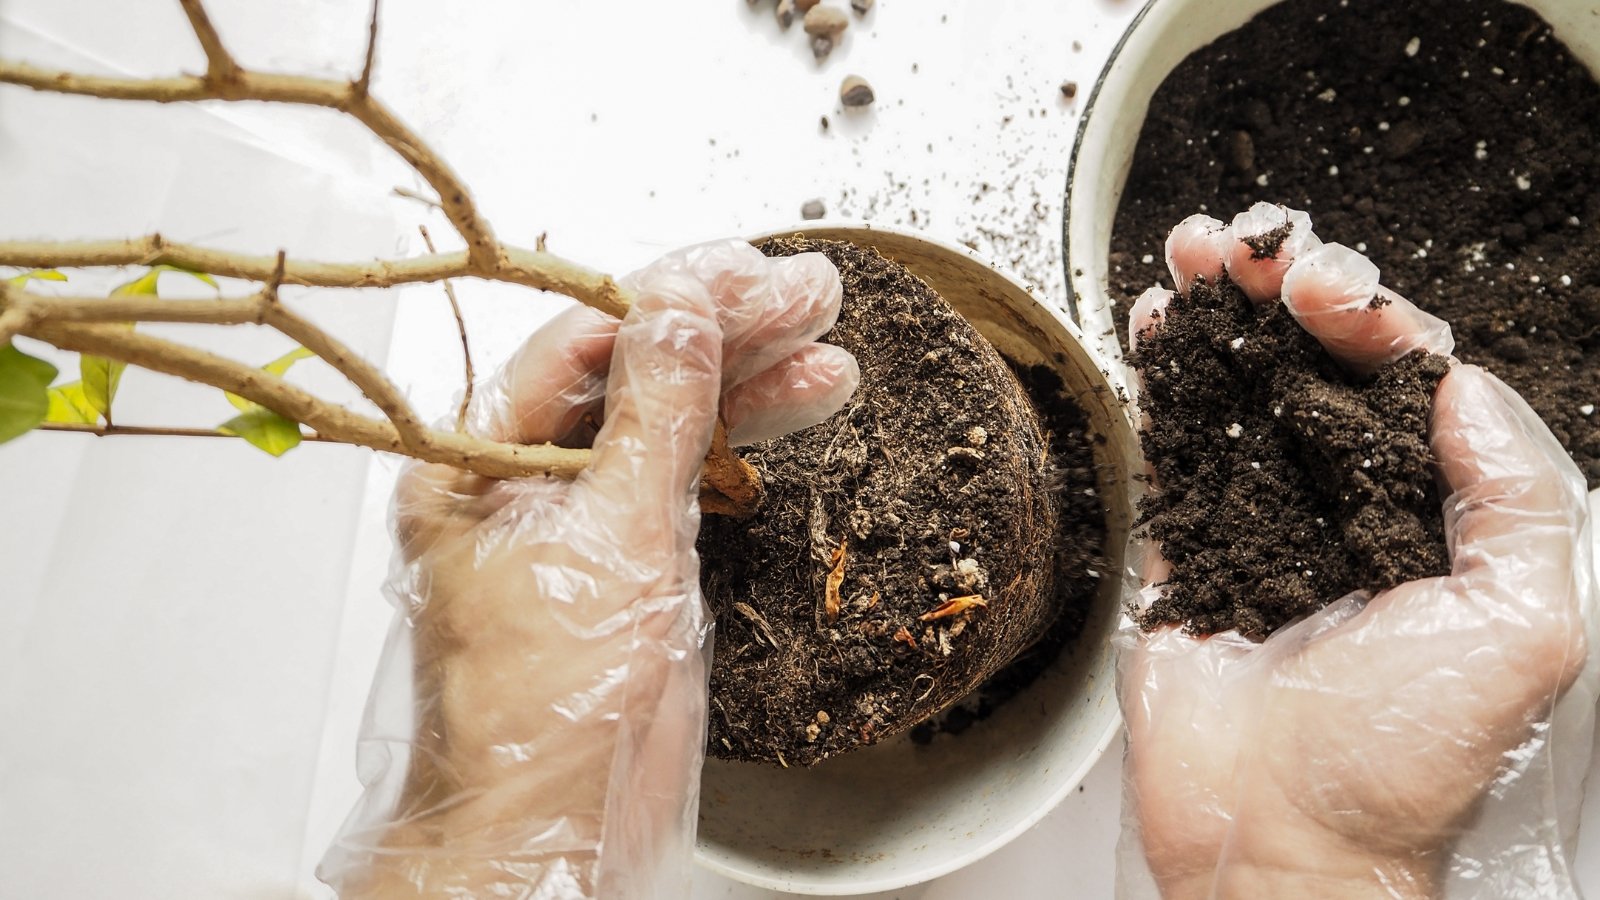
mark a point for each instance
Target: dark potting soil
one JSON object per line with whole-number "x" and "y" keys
{"x": 1283, "y": 482}
{"x": 931, "y": 485}
{"x": 1455, "y": 141}
{"x": 1080, "y": 560}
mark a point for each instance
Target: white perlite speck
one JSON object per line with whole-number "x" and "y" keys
{"x": 1587, "y": 409}
{"x": 1236, "y": 343}
{"x": 1262, "y": 179}
{"x": 1413, "y": 46}
{"x": 1147, "y": 259}
{"x": 1235, "y": 430}
{"x": 1523, "y": 183}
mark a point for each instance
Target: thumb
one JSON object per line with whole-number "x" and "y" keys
{"x": 661, "y": 402}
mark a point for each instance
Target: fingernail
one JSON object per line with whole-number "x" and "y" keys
{"x": 1342, "y": 277}
{"x": 1147, "y": 313}
{"x": 1197, "y": 248}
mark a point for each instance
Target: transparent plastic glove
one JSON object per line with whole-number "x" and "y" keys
{"x": 1429, "y": 741}
{"x": 537, "y": 723}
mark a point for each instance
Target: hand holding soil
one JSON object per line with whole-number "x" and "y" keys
{"x": 545, "y": 694}
{"x": 1351, "y": 750}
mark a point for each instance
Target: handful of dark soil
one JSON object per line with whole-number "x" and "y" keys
{"x": 1283, "y": 482}
{"x": 903, "y": 552}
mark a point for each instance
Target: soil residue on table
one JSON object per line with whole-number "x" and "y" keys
{"x": 1457, "y": 142}
{"x": 1283, "y": 482}
{"x": 930, "y": 486}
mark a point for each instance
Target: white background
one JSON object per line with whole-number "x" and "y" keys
{"x": 187, "y": 627}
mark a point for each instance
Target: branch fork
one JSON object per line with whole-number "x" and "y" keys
{"x": 97, "y": 325}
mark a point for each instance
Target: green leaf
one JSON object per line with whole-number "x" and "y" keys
{"x": 277, "y": 367}
{"x": 24, "y": 392}
{"x": 36, "y": 275}
{"x": 101, "y": 377}
{"x": 145, "y": 285}
{"x": 264, "y": 429}
{"x": 69, "y": 405}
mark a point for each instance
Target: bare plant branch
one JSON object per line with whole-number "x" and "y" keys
{"x": 488, "y": 458}
{"x": 529, "y": 268}
{"x": 245, "y": 85}
{"x": 160, "y": 431}
{"x": 363, "y": 84}
{"x": 466, "y": 346}
{"x": 219, "y": 63}
{"x": 12, "y": 320}
{"x": 94, "y": 326}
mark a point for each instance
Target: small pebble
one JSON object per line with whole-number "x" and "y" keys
{"x": 1069, "y": 89}
{"x": 825, "y": 123}
{"x": 854, "y": 92}
{"x": 785, "y": 13}
{"x": 821, "y": 47}
{"x": 826, "y": 21}
{"x": 813, "y": 209}
{"x": 1414, "y": 45}
{"x": 1235, "y": 430}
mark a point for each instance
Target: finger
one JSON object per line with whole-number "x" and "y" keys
{"x": 1147, "y": 314}
{"x": 557, "y": 378}
{"x": 803, "y": 306}
{"x": 768, "y": 307}
{"x": 661, "y": 405}
{"x": 1517, "y": 502}
{"x": 1267, "y": 239}
{"x": 1333, "y": 292}
{"x": 1198, "y": 248}
{"x": 798, "y": 392}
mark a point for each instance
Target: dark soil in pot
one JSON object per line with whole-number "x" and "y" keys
{"x": 905, "y": 550}
{"x": 1456, "y": 141}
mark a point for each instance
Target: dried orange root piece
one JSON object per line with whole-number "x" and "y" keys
{"x": 955, "y": 606}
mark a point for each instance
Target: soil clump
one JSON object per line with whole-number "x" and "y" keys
{"x": 1282, "y": 481}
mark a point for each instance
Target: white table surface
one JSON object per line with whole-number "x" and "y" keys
{"x": 186, "y": 630}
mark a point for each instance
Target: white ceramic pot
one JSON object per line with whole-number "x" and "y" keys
{"x": 1163, "y": 34}
{"x": 896, "y": 814}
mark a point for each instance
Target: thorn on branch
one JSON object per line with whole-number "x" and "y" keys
{"x": 270, "y": 290}
{"x": 424, "y": 199}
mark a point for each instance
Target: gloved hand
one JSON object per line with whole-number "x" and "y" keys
{"x": 1402, "y": 745}
{"x": 538, "y": 720}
